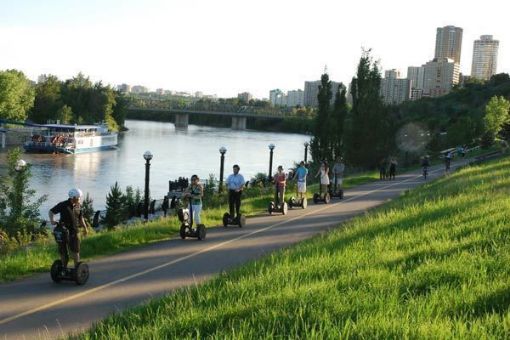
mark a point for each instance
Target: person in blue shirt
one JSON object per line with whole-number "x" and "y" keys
{"x": 235, "y": 185}
{"x": 300, "y": 175}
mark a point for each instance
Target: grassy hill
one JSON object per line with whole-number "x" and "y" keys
{"x": 431, "y": 264}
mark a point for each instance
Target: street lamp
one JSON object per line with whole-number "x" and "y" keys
{"x": 223, "y": 150}
{"x": 306, "y": 151}
{"x": 147, "y": 156}
{"x": 17, "y": 208}
{"x": 271, "y": 148}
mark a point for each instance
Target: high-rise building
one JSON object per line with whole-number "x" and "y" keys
{"x": 394, "y": 89}
{"x": 485, "y": 58}
{"x": 277, "y": 97}
{"x": 312, "y": 90}
{"x": 449, "y": 43}
{"x": 295, "y": 98}
{"x": 415, "y": 75}
{"x": 245, "y": 96}
{"x": 440, "y": 75}
{"x": 139, "y": 89}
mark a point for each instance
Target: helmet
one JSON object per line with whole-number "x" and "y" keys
{"x": 75, "y": 192}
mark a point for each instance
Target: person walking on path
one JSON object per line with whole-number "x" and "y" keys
{"x": 235, "y": 185}
{"x": 300, "y": 176}
{"x": 324, "y": 177}
{"x": 393, "y": 168}
{"x": 382, "y": 169}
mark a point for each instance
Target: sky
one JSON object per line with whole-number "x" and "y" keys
{"x": 225, "y": 47}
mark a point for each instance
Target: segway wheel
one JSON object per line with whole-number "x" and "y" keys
{"x": 316, "y": 198}
{"x": 201, "y": 232}
{"x": 341, "y": 194}
{"x": 304, "y": 203}
{"x": 56, "y": 270}
{"x": 290, "y": 202}
{"x": 285, "y": 208}
{"x": 81, "y": 273}
{"x": 270, "y": 208}
{"x": 242, "y": 221}
{"x": 327, "y": 198}
{"x": 183, "y": 231}
{"x": 226, "y": 217}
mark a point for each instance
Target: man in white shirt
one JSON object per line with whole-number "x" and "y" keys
{"x": 235, "y": 185}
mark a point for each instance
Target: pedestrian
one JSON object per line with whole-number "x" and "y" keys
{"x": 338, "y": 173}
{"x": 382, "y": 169}
{"x": 165, "y": 205}
{"x": 393, "y": 168}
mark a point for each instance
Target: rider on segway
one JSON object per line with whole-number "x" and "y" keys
{"x": 71, "y": 218}
{"x": 280, "y": 180}
{"x": 235, "y": 185}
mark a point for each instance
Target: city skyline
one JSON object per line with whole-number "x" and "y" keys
{"x": 219, "y": 49}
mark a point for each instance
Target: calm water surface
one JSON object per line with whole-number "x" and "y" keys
{"x": 176, "y": 153}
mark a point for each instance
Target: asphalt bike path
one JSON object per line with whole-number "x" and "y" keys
{"x": 38, "y": 308}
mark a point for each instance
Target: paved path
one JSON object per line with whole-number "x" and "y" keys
{"x": 38, "y": 308}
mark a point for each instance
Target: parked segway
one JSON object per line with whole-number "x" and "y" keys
{"x": 334, "y": 193}
{"x": 79, "y": 274}
{"x": 321, "y": 196}
{"x": 187, "y": 230}
{"x": 239, "y": 221}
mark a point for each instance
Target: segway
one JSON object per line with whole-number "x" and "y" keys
{"x": 321, "y": 197}
{"x": 277, "y": 206}
{"x": 298, "y": 202}
{"x": 79, "y": 274}
{"x": 187, "y": 230}
{"x": 239, "y": 221}
{"x": 333, "y": 192}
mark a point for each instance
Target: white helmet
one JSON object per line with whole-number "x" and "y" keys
{"x": 75, "y": 193}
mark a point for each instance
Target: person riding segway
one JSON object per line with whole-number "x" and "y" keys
{"x": 279, "y": 204}
{"x": 235, "y": 185}
{"x": 188, "y": 217}
{"x": 300, "y": 176}
{"x": 338, "y": 172}
{"x": 323, "y": 194}
{"x": 425, "y": 163}
{"x": 67, "y": 237}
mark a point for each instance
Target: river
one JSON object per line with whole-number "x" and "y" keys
{"x": 176, "y": 153}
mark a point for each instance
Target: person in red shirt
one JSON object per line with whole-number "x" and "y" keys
{"x": 280, "y": 179}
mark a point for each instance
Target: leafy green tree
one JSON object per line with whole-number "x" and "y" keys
{"x": 16, "y": 95}
{"x": 320, "y": 145}
{"x": 19, "y": 214}
{"x": 337, "y": 126}
{"x": 48, "y": 100}
{"x": 87, "y": 209}
{"x": 115, "y": 207}
{"x": 64, "y": 115}
{"x": 496, "y": 115}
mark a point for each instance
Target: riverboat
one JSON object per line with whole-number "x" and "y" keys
{"x": 71, "y": 139}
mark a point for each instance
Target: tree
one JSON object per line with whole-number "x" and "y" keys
{"x": 16, "y": 95}
{"x": 87, "y": 209}
{"x": 115, "y": 207}
{"x": 340, "y": 111}
{"x": 48, "y": 100}
{"x": 496, "y": 115}
{"x": 64, "y": 115}
{"x": 370, "y": 135}
{"x": 18, "y": 214}
{"x": 320, "y": 145}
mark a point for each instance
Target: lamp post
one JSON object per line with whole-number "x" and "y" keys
{"x": 223, "y": 150}
{"x": 147, "y": 156}
{"x": 271, "y": 148}
{"x": 20, "y": 167}
{"x": 306, "y": 151}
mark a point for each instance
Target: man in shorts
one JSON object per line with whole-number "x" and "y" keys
{"x": 300, "y": 175}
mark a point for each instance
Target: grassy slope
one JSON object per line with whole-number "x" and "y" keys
{"x": 432, "y": 264}
{"x": 38, "y": 258}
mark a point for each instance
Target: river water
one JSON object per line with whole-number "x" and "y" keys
{"x": 176, "y": 153}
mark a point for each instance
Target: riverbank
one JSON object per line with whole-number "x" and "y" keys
{"x": 431, "y": 264}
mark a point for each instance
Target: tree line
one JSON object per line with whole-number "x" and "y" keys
{"x": 368, "y": 131}
{"x": 74, "y": 101}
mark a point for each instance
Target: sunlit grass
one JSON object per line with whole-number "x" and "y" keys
{"x": 432, "y": 264}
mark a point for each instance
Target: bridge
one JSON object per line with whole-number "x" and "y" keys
{"x": 182, "y": 116}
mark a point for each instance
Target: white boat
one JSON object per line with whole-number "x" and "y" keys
{"x": 61, "y": 138}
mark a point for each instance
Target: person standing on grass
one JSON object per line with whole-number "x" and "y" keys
{"x": 300, "y": 176}
{"x": 280, "y": 180}
{"x": 235, "y": 185}
{"x": 324, "y": 177}
{"x": 195, "y": 193}
{"x": 71, "y": 218}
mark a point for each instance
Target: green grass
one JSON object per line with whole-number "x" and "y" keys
{"x": 431, "y": 264}
{"x": 38, "y": 257}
